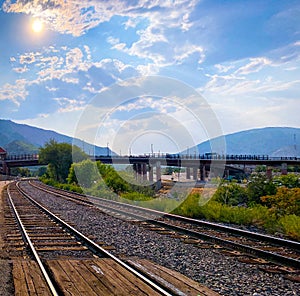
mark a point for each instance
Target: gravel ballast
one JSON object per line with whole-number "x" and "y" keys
{"x": 225, "y": 275}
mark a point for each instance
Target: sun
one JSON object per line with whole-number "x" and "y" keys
{"x": 37, "y": 26}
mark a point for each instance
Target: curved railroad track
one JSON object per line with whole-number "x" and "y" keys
{"x": 48, "y": 239}
{"x": 263, "y": 247}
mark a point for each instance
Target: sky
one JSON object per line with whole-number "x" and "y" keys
{"x": 146, "y": 76}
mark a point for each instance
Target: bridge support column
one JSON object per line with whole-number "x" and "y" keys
{"x": 134, "y": 166}
{"x": 202, "y": 173}
{"x": 6, "y": 169}
{"x": 188, "y": 173}
{"x": 269, "y": 173}
{"x": 283, "y": 169}
{"x": 195, "y": 173}
{"x": 158, "y": 175}
{"x": 150, "y": 173}
{"x": 144, "y": 171}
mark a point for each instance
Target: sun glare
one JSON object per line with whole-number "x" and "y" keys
{"x": 37, "y": 26}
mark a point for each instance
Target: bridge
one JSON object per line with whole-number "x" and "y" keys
{"x": 197, "y": 166}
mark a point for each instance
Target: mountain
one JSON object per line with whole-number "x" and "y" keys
{"x": 24, "y": 139}
{"x": 272, "y": 141}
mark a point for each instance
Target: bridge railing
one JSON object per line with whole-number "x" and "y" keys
{"x": 213, "y": 156}
{"x": 22, "y": 157}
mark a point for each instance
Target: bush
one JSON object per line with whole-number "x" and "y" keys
{"x": 285, "y": 202}
{"x": 258, "y": 186}
{"x": 231, "y": 194}
{"x": 135, "y": 196}
{"x": 290, "y": 225}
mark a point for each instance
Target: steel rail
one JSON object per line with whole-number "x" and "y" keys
{"x": 244, "y": 248}
{"x": 93, "y": 246}
{"x": 262, "y": 237}
{"x": 32, "y": 248}
{"x": 227, "y": 243}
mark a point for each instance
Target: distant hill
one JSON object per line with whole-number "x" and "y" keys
{"x": 24, "y": 139}
{"x": 272, "y": 141}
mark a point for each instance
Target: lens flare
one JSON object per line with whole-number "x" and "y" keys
{"x": 37, "y": 26}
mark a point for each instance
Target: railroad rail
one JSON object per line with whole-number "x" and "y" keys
{"x": 277, "y": 250}
{"x": 45, "y": 233}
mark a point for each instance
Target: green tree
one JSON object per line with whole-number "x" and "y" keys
{"x": 258, "y": 186}
{"x": 23, "y": 172}
{"x": 84, "y": 173}
{"x": 231, "y": 194}
{"x": 289, "y": 180}
{"x": 59, "y": 159}
{"x": 286, "y": 201}
{"x": 112, "y": 179}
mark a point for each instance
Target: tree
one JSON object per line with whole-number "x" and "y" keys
{"x": 23, "y": 172}
{"x": 285, "y": 202}
{"x": 289, "y": 180}
{"x": 59, "y": 159}
{"x": 84, "y": 173}
{"x": 258, "y": 186}
{"x": 230, "y": 194}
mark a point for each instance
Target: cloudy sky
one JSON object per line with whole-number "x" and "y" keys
{"x": 238, "y": 60}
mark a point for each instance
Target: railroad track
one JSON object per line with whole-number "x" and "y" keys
{"x": 65, "y": 262}
{"x": 263, "y": 249}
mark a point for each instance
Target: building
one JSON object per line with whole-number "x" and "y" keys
{"x": 2, "y": 153}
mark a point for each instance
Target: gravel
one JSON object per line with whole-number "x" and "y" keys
{"x": 221, "y": 273}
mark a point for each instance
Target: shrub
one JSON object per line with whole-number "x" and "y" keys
{"x": 290, "y": 225}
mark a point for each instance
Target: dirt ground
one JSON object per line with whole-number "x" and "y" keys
{"x": 6, "y": 280}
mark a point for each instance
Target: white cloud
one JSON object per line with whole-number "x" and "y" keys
{"x": 255, "y": 65}
{"x": 14, "y": 92}
{"x": 187, "y": 50}
{"x": 224, "y": 68}
{"x": 69, "y": 105}
{"x": 77, "y": 17}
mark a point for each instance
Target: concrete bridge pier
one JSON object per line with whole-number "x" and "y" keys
{"x": 188, "y": 173}
{"x": 202, "y": 173}
{"x": 158, "y": 175}
{"x": 269, "y": 173}
{"x": 284, "y": 169}
{"x": 144, "y": 171}
{"x": 195, "y": 173}
{"x": 6, "y": 169}
{"x": 150, "y": 173}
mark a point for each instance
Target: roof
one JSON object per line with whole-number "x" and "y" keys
{"x": 2, "y": 151}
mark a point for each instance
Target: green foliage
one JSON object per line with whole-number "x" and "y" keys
{"x": 289, "y": 180}
{"x": 285, "y": 202}
{"x": 258, "y": 186}
{"x": 69, "y": 187}
{"x": 42, "y": 171}
{"x": 103, "y": 180}
{"x": 59, "y": 159}
{"x": 290, "y": 225}
{"x": 112, "y": 178}
{"x": 135, "y": 196}
{"x": 22, "y": 172}
{"x": 260, "y": 168}
{"x": 258, "y": 215}
{"x": 85, "y": 173}
{"x": 231, "y": 194}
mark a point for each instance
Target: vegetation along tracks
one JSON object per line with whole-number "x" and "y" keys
{"x": 205, "y": 234}
{"x": 90, "y": 269}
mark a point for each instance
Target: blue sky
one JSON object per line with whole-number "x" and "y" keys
{"x": 242, "y": 57}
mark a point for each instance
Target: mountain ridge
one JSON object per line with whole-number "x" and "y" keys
{"x": 273, "y": 141}
{"x": 15, "y": 137}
